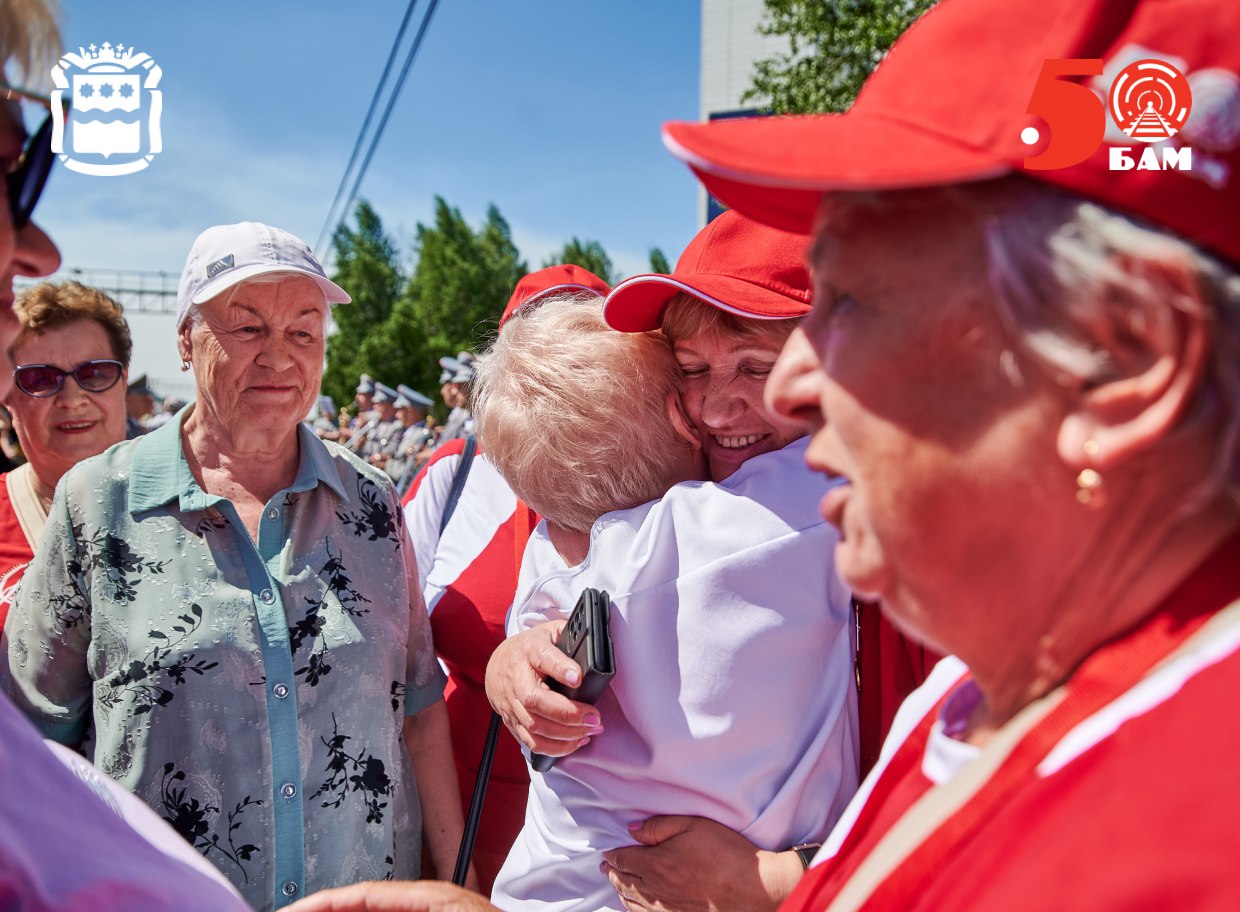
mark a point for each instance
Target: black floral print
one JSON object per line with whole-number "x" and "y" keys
{"x": 363, "y": 773}
{"x": 69, "y": 604}
{"x": 156, "y": 618}
{"x": 376, "y": 519}
{"x": 214, "y": 521}
{"x": 139, "y": 681}
{"x": 123, "y": 567}
{"x": 195, "y": 820}
{"x": 310, "y": 627}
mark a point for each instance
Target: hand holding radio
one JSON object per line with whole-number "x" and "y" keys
{"x": 586, "y": 639}
{"x": 516, "y": 682}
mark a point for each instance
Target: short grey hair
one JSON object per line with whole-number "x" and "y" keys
{"x": 1069, "y": 275}
{"x": 1067, "y": 270}
{"x": 573, "y": 413}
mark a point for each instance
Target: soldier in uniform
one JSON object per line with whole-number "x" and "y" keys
{"x": 457, "y": 374}
{"x": 386, "y": 429}
{"x": 412, "y": 408}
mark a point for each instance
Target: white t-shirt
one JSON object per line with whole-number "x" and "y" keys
{"x": 486, "y": 503}
{"x": 734, "y": 696}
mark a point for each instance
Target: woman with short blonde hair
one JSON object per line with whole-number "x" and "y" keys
{"x": 558, "y": 427}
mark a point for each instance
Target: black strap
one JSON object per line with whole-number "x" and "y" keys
{"x": 458, "y": 480}
{"x": 466, "y": 851}
{"x": 475, "y": 804}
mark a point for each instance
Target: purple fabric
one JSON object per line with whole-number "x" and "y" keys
{"x": 68, "y": 842}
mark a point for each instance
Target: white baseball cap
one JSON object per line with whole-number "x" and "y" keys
{"x": 227, "y": 255}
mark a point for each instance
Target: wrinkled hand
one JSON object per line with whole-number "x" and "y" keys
{"x": 407, "y": 896}
{"x": 691, "y": 864}
{"x": 544, "y": 721}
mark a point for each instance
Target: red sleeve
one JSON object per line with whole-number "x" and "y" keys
{"x": 889, "y": 667}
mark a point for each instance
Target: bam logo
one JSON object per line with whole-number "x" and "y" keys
{"x": 1149, "y": 101}
{"x": 112, "y": 94}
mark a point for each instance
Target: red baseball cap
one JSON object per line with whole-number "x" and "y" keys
{"x": 557, "y": 279}
{"x": 954, "y": 101}
{"x": 739, "y": 265}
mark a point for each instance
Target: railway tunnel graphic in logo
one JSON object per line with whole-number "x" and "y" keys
{"x": 1150, "y": 100}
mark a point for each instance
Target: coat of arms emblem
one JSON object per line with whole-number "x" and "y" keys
{"x": 110, "y": 125}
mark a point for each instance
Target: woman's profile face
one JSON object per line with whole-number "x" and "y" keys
{"x": 953, "y": 507}
{"x": 257, "y": 352}
{"x": 724, "y": 375}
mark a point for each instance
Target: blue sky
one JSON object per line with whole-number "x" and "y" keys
{"x": 548, "y": 108}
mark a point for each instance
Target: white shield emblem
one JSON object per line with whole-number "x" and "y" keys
{"x": 111, "y": 126}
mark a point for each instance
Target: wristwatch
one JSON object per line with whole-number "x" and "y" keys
{"x": 806, "y": 852}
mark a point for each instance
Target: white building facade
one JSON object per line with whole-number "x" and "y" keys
{"x": 731, "y": 43}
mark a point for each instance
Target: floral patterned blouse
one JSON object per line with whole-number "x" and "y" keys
{"x": 253, "y": 694}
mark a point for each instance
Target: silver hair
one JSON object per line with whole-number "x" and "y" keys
{"x": 574, "y": 414}
{"x": 1072, "y": 276}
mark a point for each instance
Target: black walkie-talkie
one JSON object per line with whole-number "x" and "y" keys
{"x": 586, "y": 639}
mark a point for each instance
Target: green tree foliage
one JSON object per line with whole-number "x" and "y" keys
{"x": 833, "y": 46}
{"x": 453, "y": 300}
{"x": 589, "y": 254}
{"x": 367, "y": 267}
{"x": 402, "y": 323}
{"x": 658, "y": 262}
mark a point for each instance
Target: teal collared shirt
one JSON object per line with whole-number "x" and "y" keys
{"x": 251, "y": 691}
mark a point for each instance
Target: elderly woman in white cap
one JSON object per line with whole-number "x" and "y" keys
{"x": 232, "y": 604}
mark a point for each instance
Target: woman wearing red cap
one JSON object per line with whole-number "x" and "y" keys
{"x": 727, "y": 310}
{"x": 733, "y": 698}
{"x": 728, "y": 648}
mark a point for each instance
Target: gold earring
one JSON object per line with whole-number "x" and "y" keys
{"x": 1088, "y": 486}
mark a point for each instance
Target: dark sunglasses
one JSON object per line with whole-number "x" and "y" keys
{"x": 43, "y": 380}
{"x": 28, "y": 175}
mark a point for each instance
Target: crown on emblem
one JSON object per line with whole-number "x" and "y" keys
{"x": 107, "y": 52}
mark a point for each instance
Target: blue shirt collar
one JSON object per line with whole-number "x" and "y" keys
{"x": 160, "y": 473}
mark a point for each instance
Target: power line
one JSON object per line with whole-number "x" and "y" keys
{"x": 334, "y": 218}
{"x": 329, "y": 223}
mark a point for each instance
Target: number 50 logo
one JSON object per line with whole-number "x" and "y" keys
{"x": 1149, "y": 100}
